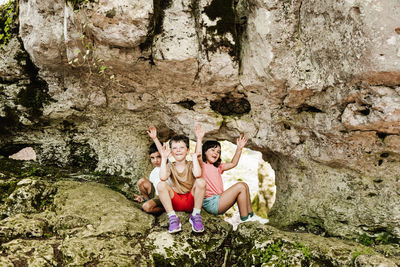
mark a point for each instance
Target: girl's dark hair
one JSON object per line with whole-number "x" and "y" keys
{"x": 206, "y": 146}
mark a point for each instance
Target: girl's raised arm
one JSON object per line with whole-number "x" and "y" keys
{"x": 196, "y": 165}
{"x": 199, "y": 132}
{"x": 240, "y": 143}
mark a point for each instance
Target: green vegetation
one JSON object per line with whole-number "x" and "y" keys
{"x": 366, "y": 240}
{"x": 8, "y": 15}
{"x": 365, "y": 251}
{"x": 305, "y": 250}
{"x": 266, "y": 254}
{"x": 383, "y": 238}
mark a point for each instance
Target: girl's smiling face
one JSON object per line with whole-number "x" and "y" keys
{"x": 213, "y": 154}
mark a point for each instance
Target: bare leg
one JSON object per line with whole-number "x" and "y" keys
{"x": 144, "y": 187}
{"x": 165, "y": 193}
{"x": 151, "y": 207}
{"x": 236, "y": 193}
{"x": 198, "y": 192}
{"x": 249, "y": 207}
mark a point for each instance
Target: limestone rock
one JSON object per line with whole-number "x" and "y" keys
{"x": 187, "y": 248}
{"x": 317, "y": 84}
{"x": 21, "y": 226}
{"x": 30, "y": 196}
{"x": 255, "y": 244}
{"x": 95, "y": 223}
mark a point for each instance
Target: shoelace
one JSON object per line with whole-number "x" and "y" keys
{"x": 173, "y": 220}
{"x": 197, "y": 218}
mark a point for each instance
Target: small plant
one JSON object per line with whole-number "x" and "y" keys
{"x": 33, "y": 170}
{"x": 355, "y": 254}
{"x": 85, "y": 54}
{"x": 305, "y": 250}
{"x": 47, "y": 235}
{"x": 76, "y": 4}
{"x": 366, "y": 240}
{"x": 385, "y": 238}
{"x": 266, "y": 254}
{"x": 8, "y": 14}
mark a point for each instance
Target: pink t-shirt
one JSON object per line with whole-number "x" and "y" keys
{"x": 213, "y": 178}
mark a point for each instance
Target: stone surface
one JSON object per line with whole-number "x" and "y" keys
{"x": 320, "y": 80}
{"x": 87, "y": 223}
{"x": 256, "y": 244}
{"x": 187, "y": 248}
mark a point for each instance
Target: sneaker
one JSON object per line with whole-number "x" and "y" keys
{"x": 174, "y": 224}
{"x": 256, "y": 218}
{"x": 197, "y": 223}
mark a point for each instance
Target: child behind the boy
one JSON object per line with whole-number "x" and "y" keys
{"x": 148, "y": 187}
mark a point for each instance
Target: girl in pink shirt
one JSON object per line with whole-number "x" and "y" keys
{"x": 218, "y": 201}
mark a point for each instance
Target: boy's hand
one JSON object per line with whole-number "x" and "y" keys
{"x": 152, "y": 132}
{"x": 241, "y": 141}
{"x": 165, "y": 152}
{"x": 199, "y": 131}
{"x": 138, "y": 198}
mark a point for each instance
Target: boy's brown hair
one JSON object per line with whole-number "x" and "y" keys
{"x": 178, "y": 138}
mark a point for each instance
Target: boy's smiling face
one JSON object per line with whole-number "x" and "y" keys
{"x": 155, "y": 159}
{"x": 179, "y": 150}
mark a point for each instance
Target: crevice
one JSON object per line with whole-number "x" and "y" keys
{"x": 188, "y": 104}
{"x": 228, "y": 21}
{"x": 155, "y": 27}
{"x": 381, "y": 135}
{"x": 231, "y": 105}
{"x": 384, "y": 155}
{"x": 195, "y": 12}
{"x": 308, "y": 108}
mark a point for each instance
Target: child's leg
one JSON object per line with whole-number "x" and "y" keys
{"x": 152, "y": 207}
{"x": 236, "y": 193}
{"x": 198, "y": 192}
{"x": 144, "y": 187}
{"x": 165, "y": 194}
{"x": 249, "y": 207}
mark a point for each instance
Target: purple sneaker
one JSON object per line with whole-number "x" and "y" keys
{"x": 174, "y": 224}
{"x": 197, "y": 223}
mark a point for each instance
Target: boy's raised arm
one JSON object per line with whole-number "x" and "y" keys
{"x": 153, "y": 135}
{"x": 240, "y": 143}
{"x": 199, "y": 132}
{"x": 164, "y": 175}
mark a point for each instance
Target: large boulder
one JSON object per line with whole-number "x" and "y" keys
{"x": 314, "y": 84}
{"x": 254, "y": 245}
{"x": 88, "y": 223}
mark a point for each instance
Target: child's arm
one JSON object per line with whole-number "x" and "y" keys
{"x": 164, "y": 175}
{"x": 196, "y": 165}
{"x": 199, "y": 132}
{"x": 153, "y": 135}
{"x": 240, "y": 143}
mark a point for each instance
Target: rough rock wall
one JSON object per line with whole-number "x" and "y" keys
{"x": 314, "y": 84}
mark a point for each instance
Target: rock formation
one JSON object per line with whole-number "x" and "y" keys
{"x": 71, "y": 223}
{"x": 314, "y": 84}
